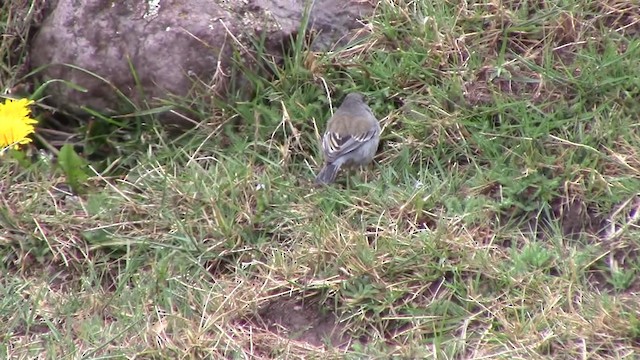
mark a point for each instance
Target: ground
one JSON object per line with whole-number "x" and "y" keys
{"x": 499, "y": 220}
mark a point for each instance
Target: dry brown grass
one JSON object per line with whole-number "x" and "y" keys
{"x": 500, "y": 222}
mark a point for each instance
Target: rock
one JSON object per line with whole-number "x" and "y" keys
{"x": 171, "y": 45}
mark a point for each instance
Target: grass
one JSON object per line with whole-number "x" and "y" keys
{"x": 500, "y": 220}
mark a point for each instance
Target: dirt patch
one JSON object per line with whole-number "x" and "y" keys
{"x": 621, "y": 16}
{"x": 576, "y": 217}
{"x": 509, "y": 81}
{"x": 301, "y": 320}
{"x": 607, "y": 275}
{"x": 616, "y": 269}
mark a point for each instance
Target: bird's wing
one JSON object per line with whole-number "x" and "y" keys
{"x": 336, "y": 145}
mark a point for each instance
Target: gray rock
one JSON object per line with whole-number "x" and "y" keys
{"x": 171, "y": 44}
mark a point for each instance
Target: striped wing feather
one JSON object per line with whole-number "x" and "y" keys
{"x": 336, "y": 145}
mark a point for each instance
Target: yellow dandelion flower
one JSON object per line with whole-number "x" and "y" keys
{"x": 15, "y": 123}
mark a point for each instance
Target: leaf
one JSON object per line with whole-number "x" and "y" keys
{"x": 96, "y": 237}
{"x": 20, "y": 157}
{"x": 74, "y": 167}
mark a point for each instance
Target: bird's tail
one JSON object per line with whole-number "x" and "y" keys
{"x": 328, "y": 174}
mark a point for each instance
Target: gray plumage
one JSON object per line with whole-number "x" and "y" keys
{"x": 351, "y": 139}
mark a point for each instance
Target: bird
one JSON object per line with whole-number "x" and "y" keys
{"x": 351, "y": 138}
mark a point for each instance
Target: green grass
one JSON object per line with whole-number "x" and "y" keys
{"x": 484, "y": 230}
